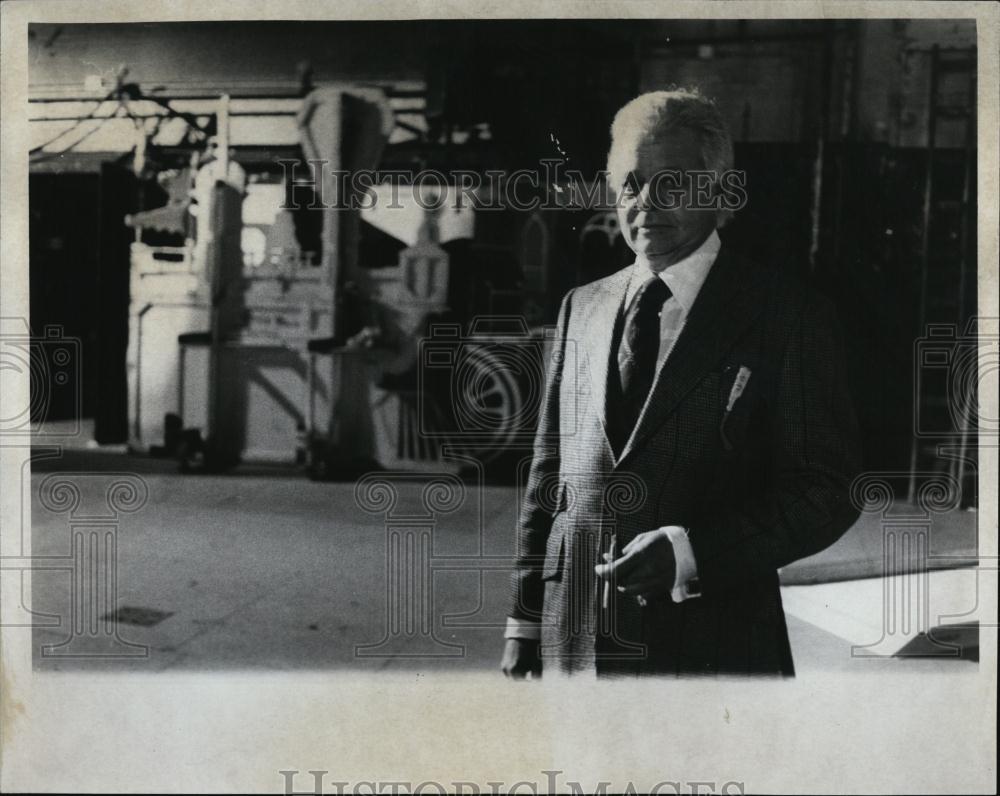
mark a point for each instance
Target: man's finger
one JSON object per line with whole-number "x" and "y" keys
{"x": 644, "y": 570}
{"x": 647, "y": 588}
{"x": 620, "y": 566}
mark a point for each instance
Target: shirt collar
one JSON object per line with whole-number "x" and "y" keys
{"x": 685, "y": 277}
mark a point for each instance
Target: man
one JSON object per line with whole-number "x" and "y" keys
{"x": 696, "y": 434}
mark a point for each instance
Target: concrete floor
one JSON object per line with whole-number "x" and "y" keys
{"x": 268, "y": 570}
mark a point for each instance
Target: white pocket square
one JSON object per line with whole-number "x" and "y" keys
{"x": 739, "y": 385}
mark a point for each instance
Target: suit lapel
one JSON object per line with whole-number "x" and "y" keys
{"x": 730, "y": 299}
{"x": 599, "y": 327}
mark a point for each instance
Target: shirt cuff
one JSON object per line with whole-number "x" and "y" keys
{"x": 519, "y": 628}
{"x": 686, "y": 577}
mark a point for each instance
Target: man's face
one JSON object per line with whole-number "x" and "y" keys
{"x": 662, "y": 225}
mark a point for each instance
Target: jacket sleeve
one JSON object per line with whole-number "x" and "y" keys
{"x": 814, "y": 456}
{"x": 535, "y": 516}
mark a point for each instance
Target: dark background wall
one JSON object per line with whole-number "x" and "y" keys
{"x": 831, "y": 119}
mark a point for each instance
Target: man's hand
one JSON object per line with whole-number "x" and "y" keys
{"x": 521, "y": 658}
{"x": 646, "y": 569}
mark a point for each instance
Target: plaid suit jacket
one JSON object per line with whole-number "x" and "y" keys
{"x": 757, "y": 487}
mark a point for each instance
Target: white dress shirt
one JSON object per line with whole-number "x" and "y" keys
{"x": 684, "y": 278}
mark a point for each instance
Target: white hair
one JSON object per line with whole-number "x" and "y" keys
{"x": 653, "y": 114}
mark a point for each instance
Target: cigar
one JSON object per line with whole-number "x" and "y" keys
{"x": 606, "y": 600}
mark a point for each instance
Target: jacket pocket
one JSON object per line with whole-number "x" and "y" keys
{"x": 560, "y": 500}
{"x": 554, "y": 550}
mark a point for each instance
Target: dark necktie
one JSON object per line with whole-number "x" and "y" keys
{"x": 640, "y": 343}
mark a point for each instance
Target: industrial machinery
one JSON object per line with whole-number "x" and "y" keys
{"x": 220, "y": 327}
{"x": 247, "y": 345}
